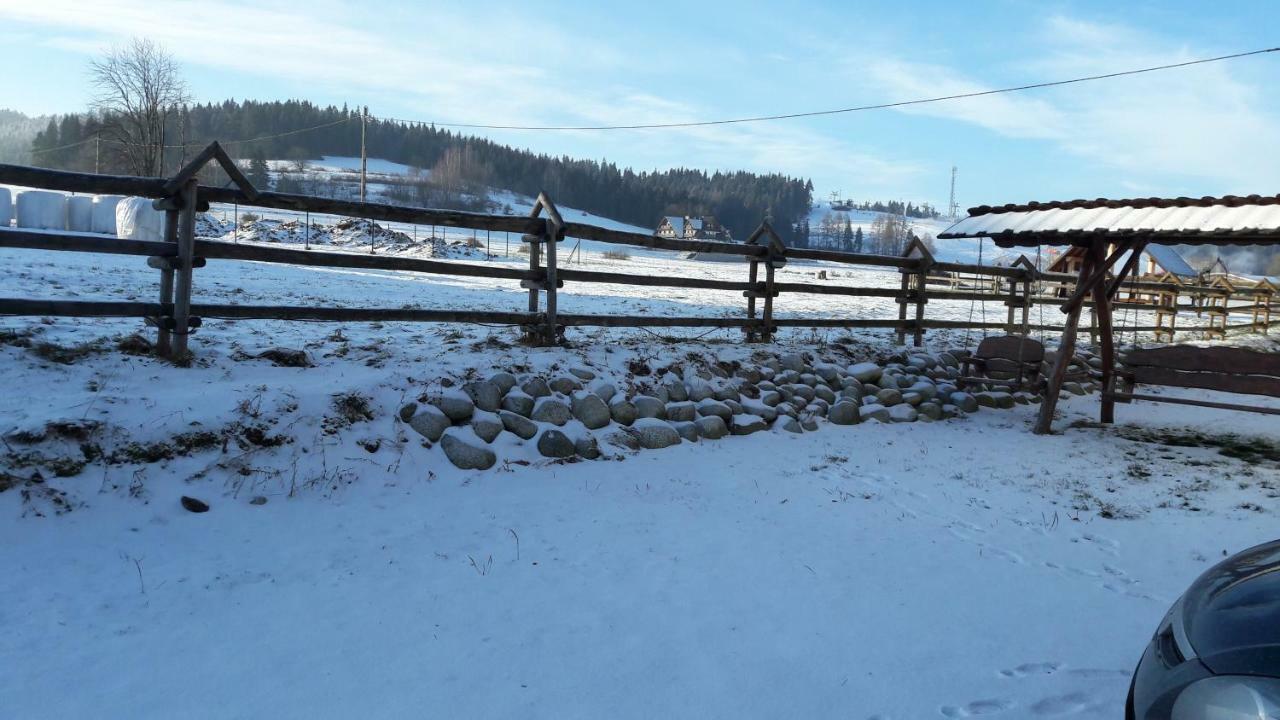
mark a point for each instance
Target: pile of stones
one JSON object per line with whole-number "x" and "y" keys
{"x": 568, "y": 416}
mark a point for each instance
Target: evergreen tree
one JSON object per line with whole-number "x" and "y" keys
{"x": 259, "y": 174}
{"x": 857, "y": 240}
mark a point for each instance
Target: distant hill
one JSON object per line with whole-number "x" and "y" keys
{"x": 17, "y": 131}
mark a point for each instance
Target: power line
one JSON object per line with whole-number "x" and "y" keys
{"x": 202, "y": 144}
{"x": 838, "y": 111}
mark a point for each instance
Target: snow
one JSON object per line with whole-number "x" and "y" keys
{"x": 889, "y": 571}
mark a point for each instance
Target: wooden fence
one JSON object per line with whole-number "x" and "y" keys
{"x": 180, "y": 253}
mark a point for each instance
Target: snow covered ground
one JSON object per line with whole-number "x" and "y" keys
{"x": 947, "y": 569}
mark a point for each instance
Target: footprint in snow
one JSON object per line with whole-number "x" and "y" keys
{"x": 1001, "y": 553}
{"x": 1027, "y": 669}
{"x": 975, "y": 708}
{"x": 1068, "y": 704}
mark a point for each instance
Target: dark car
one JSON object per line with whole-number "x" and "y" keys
{"x": 1216, "y": 654}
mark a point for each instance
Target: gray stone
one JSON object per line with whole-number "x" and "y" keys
{"x": 623, "y": 412}
{"x": 844, "y": 413}
{"x": 591, "y": 410}
{"x": 699, "y": 389}
{"x": 964, "y": 401}
{"x": 555, "y": 444}
{"x": 819, "y": 408}
{"x": 771, "y": 397}
{"x": 467, "y": 451}
{"x": 582, "y": 373}
{"x": 681, "y": 411}
{"x": 504, "y": 380}
{"x": 926, "y": 389}
{"x": 518, "y": 425}
{"x": 676, "y": 391}
{"x": 875, "y": 411}
{"x": 906, "y": 381}
{"x": 745, "y": 424}
{"x": 654, "y": 434}
{"x": 1074, "y": 388}
{"x": 792, "y": 361}
{"x": 518, "y": 402}
{"x": 587, "y": 447}
{"x": 903, "y": 413}
{"x": 803, "y": 391}
{"x": 809, "y": 379}
{"x": 486, "y": 395}
{"x": 605, "y": 391}
{"x": 430, "y": 422}
{"x": 911, "y": 397}
{"x": 733, "y": 405}
{"x": 712, "y": 407}
{"x": 828, "y": 372}
{"x": 407, "y": 411}
{"x": 931, "y": 410}
{"x": 486, "y": 425}
{"x": 755, "y": 407}
{"x": 809, "y": 423}
{"x": 889, "y": 396}
{"x": 565, "y": 385}
{"x": 623, "y": 439}
{"x": 750, "y": 374}
{"x": 711, "y": 427}
{"x": 649, "y": 407}
{"x": 995, "y": 399}
{"x": 789, "y": 424}
{"x": 824, "y": 393}
{"x": 455, "y": 404}
{"x": 866, "y": 371}
{"x": 728, "y": 392}
{"x": 551, "y": 410}
{"x": 686, "y": 429}
{"x": 536, "y": 387}
{"x": 786, "y": 409}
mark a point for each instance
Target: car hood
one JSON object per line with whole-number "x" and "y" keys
{"x": 1232, "y": 613}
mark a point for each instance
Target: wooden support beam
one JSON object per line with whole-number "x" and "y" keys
{"x": 1085, "y": 287}
{"x": 555, "y": 233}
{"x": 1066, "y": 349}
{"x": 164, "y": 347}
{"x": 753, "y": 275}
{"x": 1114, "y": 286}
{"x": 1102, "y": 307}
{"x": 189, "y": 171}
{"x": 182, "y": 274}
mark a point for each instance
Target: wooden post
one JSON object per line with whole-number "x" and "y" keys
{"x": 182, "y": 289}
{"x": 753, "y": 276}
{"x": 922, "y": 282}
{"x": 1102, "y": 310}
{"x": 1066, "y": 349}
{"x": 901, "y": 333}
{"x": 767, "y": 315}
{"x": 554, "y": 226}
{"x": 164, "y": 338}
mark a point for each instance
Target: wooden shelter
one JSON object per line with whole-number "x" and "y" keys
{"x": 1107, "y": 231}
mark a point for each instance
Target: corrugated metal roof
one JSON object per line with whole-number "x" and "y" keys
{"x": 1164, "y": 223}
{"x": 1170, "y": 260}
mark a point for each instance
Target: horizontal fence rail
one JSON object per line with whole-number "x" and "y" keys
{"x": 1018, "y": 289}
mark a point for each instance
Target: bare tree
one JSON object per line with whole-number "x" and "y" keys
{"x": 137, "y": 86}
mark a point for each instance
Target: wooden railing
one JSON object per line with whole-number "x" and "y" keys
{"x": 180, "y": 253}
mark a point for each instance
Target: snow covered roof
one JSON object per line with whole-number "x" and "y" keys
{"x": 1208, "y": 220}
{"x": 676, "y": 222}
{"x": 1169, "y": 259}
{"x": 695, "y": 222}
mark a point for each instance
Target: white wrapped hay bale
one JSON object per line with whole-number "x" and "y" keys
{"x": 42, "y": 210}
{"x": 80, "y": 213}
{"x": 137, "y": 220}
{"x": 6, "y": 207}
{"x": 104, "y": 213}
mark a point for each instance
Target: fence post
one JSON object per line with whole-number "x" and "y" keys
{"x": 164, "y": 338}
{"x": 919, "y": 274}
{"x": 182, "y": 320}
{"x": 773, "y": 257}
{"x": 753, "y": 276}
{"x": 555, "y": 228}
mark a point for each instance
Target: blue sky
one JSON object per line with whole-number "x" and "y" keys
{"x": 1206, "y": 130}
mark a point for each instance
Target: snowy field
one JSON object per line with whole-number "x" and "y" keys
{"x": 949, "y": 569}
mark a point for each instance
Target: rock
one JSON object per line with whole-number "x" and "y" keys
{"x": 623, "y": 412}
{"x": 605, "y": 391}
{"x": 1022, "y": 397}
{"x": 591, "y": 410}
{"x": 517, "y": 424}
{"x": 1074, "y": 388}
{"x": 727, "y": 392}
{"x": 258, "y": 500}
{"x": 536, "y": 387}
{"x": 948, "y": 360}
{"x": 750, "y": 374}
{"x": 809, "y": 379}
{"x": 466, "y": 451}
{"x": 771, "y": 397}
{"x": 518, "y": 402}
{"x": 828, "y": 372}
{"x": 903, "y": 413}
{"x": 825, "y": 393}
{"x": 865, "y": 372}
{"x": 789, "y": 424}
{"x": 681, "y": 411}
{"x": 786, "y": 377}
{"x": 875, "y": 411}
{"x": 906, "y": 381}
{"x": 430, "y": 422}
{"x": 964, "y": 401}
{"x": 649, "y": 407}
{"x": 711, "y": 427}
{"x": 555, "y": 444}
{"x": 676, "y": 391}
{"x": 587, "y": 447}
{"x": 654, "y": 434}
{"x": 792, "y": 361}
{"x": 755, "y": 407}
{"x": 550, "y": 410}
{"x": 565, "y": 385}
{"x": 455, "y": 404}
{"x": 699, "y": 389}
{"x": 733, "y": 405}
{"x": 889, "y": 396}
{"x": 844, "y": 413}
{"x": 819, "y": 408}
{"x": 486, "y": 395}
{"x": 931, "y": 410}
{"x": 995, "y": 399}
{"x": 912, "y": 398}
{"x": 407, "y": 411}
{"x": 486, "y": 425}
{"x": 712, "y": 407}
{"x": 949, "y": 411}
{"x": 803, "y": 391}
{"x": 194, "y": 505}
{"x": 922, "y": 362}
{"x": 623, "y": 439}
{"x": 926, "y": 389}
{"x": 745, "y": 424}
{"x": 686, "y": 429}
{"x": 504, "y": 380}
{"x": 582, "y": 373}
{"x": 786, "y": 408}
{"x": 809, "y": 423}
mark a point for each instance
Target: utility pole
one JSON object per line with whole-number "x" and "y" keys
{"x": 364, "y": 159}
{"x": 953, "y": 210}
{"x": 97, "y": 151}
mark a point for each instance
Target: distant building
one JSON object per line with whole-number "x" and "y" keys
{"x": 691, "y": 228}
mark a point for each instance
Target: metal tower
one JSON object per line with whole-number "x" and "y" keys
{"x": 953, "y": 210}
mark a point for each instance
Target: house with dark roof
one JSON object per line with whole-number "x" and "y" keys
{"x": 693, "y": 228}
